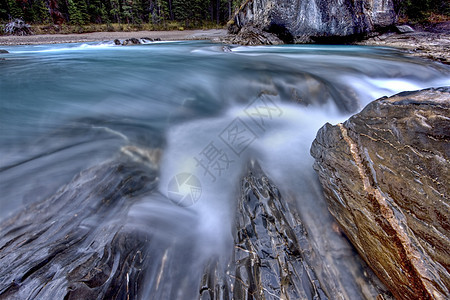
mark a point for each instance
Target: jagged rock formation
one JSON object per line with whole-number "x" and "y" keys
{"x": 385, "y": 174}
{"x": 63, "y": 248}
{"x": 304, "y": 21}
{"x": 81, "y": 244}
{"x": 274, "y": 257}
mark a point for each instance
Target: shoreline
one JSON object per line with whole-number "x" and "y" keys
{"x": 12, "y": 40}
{"x": 433, "y": 46}
{"x": 422, "y": 44}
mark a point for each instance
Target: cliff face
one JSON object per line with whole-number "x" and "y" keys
{"x": 385, "y": 174}
{"x": 303, "y": 20}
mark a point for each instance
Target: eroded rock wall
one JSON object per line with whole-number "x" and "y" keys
{"x": 303, "y": 20}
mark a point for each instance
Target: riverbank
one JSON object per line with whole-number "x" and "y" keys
{"x": 210, "y": 34}
{"x": 418, "y": 43}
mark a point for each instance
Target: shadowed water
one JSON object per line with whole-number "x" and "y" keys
{"x": 66, "y": 108}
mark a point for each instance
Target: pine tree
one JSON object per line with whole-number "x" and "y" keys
{"x": 15, "y": 10}
{"x": 97, "y": 12}
{"x": 3, "y": 11}
{"x": 115, "y": 11}
{"x": 77, "y": 12}
{"x": 40, "y": 12}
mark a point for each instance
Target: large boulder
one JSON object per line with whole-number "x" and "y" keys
{"x": 306, "y": 20}
{"x": 385, "y": 175}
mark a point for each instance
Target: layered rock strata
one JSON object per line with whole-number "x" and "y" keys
{"x": 385, "y": 175}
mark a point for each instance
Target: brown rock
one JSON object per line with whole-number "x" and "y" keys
{"x": 385, "y": 174}
{"x": 252, "y": 36}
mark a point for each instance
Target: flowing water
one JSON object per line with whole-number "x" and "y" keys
{"x": 65, "y": 108}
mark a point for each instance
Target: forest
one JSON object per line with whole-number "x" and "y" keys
{"x": 187, "y": 13}
{"x": 191, "y": 13}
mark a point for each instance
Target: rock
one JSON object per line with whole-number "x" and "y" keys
{"x": 274, "y": 257}
{"x": 252, "y": 36}
{"x": 63, "y": 248}
{"x": 404, "y": 29}
{"x": 385, "y": 175}
{"x": 306, "y": 21}
{"x": 132, "y": 41}
{"x": 226, "y": 49}
{"x": 2, "y": 51}
{"x": 419, "y": 43}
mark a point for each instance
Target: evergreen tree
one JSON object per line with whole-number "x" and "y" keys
{"x": 97, "y": 12}
{"x": 115, "y": 11}
{"x": 15, "y": 10}
{"x": 40, "y": 12}
{"x": 77, "y": 12}
{"x": 3, "y": 10}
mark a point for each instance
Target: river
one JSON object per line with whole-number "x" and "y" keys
{"x": 208, "y": 109}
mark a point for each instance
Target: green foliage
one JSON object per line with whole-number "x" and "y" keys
{"x": 15, "y": 11}
{"x": 77, "y": 12}
{"x": 40, "y": 12}
{"x": 186, "y": 13}
{"x": 3, "y": 11}
{"x": 97, "y": 12}
{"x": 420, "y": 10}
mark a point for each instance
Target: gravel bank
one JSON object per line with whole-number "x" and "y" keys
{"x": 211, "y": 34}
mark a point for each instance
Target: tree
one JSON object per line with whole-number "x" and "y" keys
{"x": 15, "y": 10}
{"x": 40, "y": 13}
{"x": 77, "y": 12}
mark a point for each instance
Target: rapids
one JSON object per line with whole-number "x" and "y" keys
{"x": 65, "y": 108}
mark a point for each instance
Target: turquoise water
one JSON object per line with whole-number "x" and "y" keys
{"x": 64, "y": 108}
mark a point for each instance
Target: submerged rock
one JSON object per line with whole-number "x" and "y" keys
{"x": 385, "y": 175}
{"x": 305, "y": 21}
{"x": 2, "y": 51}
{"x": 132, "y": 41}
{"x": 135, "y": 41}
